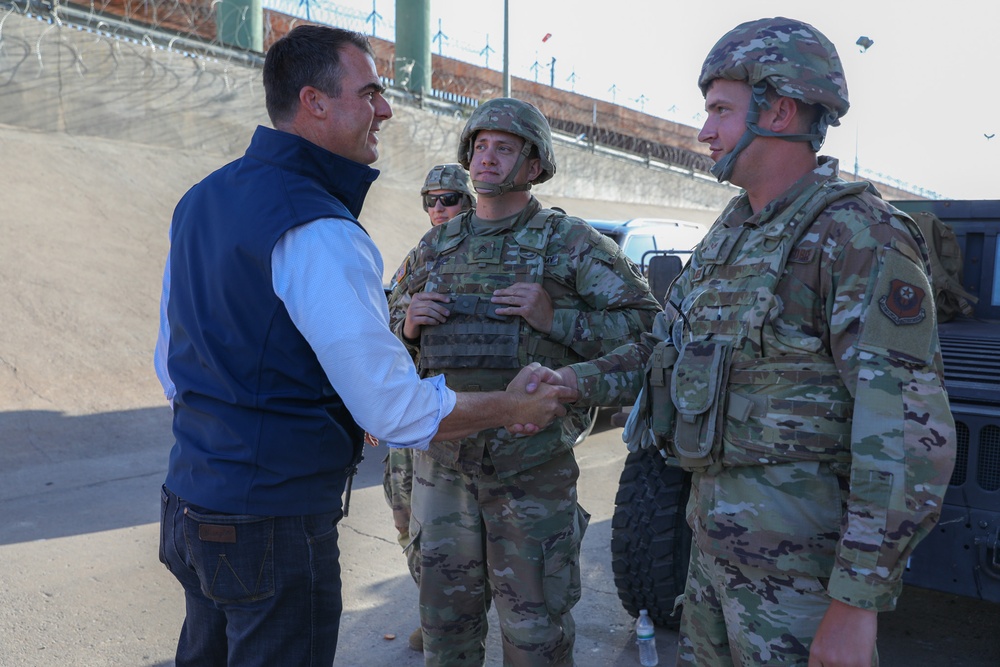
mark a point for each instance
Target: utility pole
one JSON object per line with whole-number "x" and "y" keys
{"x": 506, "y": 48}
{"x": 413, "y": 63}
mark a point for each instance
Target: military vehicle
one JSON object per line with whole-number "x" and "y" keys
{"x": 650, "y": 539}
{"x": 643, "y": 238}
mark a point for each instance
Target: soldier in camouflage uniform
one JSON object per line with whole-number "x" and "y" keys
{"x": 443, "y": 182}
{"x": 495, "y": 516}
{"x": 447, "y": 192}
{"x": 796, "y": 372}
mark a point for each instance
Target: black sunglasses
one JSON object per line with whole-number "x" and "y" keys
{"x": 448, "y": 199}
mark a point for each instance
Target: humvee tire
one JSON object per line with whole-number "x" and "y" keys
{"x": 650, "y": 540}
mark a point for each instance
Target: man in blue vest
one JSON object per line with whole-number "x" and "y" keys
{"x": 273, "y": 325}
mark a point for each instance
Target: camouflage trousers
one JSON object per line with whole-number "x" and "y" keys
{"x": 515, "y": 540}
{"x": 736, "y": 615}
{"x": 397, "y": 482}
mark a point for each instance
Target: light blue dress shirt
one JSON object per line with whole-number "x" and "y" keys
{"x": 328, "y": 273}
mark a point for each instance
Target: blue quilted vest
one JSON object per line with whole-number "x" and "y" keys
{"x": 258, "y": 427}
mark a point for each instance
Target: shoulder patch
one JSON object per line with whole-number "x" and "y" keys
{"x": 604, "y": 248}
{"x": 402, "y": 271}
{"x": 904, "y": 303}
{"x": 900, "y": 321}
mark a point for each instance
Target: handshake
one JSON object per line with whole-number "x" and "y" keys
{"x": 539, "y": 396}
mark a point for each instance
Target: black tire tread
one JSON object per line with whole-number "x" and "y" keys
{"x": 650, "y": 540}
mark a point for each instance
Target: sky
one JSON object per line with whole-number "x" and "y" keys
{"x": 923, "y": 96}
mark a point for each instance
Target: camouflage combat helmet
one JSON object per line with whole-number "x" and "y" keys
{"x": 450, "y": 176}
{"x": 516, "y": 117}
{"x": 792, "y": 57}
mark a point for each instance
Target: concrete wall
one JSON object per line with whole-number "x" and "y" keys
{"x": 604, "y": 123}
{"x": 61, "y": 79}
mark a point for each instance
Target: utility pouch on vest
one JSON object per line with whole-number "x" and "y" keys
{"x": 464, "y": 343}
{"x": 696, "y": 388}
{"x": 661, "y": 405}
{"x": 473, "y": 304}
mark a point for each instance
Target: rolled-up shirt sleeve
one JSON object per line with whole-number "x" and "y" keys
{"x": 328, "y": 273}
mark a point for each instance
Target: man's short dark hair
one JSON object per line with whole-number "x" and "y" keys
{"x": 309, "y": 55}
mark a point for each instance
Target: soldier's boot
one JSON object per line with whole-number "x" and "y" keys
{"x": 416, "y": 640}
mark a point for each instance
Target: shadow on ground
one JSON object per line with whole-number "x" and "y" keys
{"x": 63, "y": 475}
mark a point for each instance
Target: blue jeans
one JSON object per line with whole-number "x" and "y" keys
{"x": 260, "y": 590}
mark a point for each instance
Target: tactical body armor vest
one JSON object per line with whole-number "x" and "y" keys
{"x": 476, "y": 348}
{"x": 741, "y": 395}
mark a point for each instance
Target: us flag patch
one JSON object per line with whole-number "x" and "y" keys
{"x": 402, "y": 271}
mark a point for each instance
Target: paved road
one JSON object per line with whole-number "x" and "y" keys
{"x": 80, "y": 584}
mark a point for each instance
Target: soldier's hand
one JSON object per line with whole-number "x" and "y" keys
{"x": 527, "y": 300}
{"x": 564, "y": 377}
{"x": 426, "y": 309}
{"x": 845, "y": 637}
{"x": 542, "y": 401}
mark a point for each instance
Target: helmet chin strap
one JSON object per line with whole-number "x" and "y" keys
{"x": 723, "y": 169}
{"x": 495, "y": 190}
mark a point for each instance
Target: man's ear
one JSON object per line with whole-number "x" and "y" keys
{"x": 784, "y": 114}
{"x": 534, "y": 169}
{"x": 313, "y": 101}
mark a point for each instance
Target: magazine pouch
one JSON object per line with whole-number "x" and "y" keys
{"x": 696, "y": 387}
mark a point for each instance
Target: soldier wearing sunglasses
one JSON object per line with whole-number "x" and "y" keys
{"x": 446, "y": 192}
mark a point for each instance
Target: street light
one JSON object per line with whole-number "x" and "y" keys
{"x": 865, "y": 43}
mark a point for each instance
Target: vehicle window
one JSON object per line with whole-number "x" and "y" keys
{"x": 671, "y": 240}
{"x": 638, "y": 244}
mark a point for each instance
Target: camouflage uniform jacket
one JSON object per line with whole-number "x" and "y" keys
{"x": 600, "y": 302}
{"x": 853, "y": 300}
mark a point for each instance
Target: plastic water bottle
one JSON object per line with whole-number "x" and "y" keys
{"x": 645, "y": 638}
